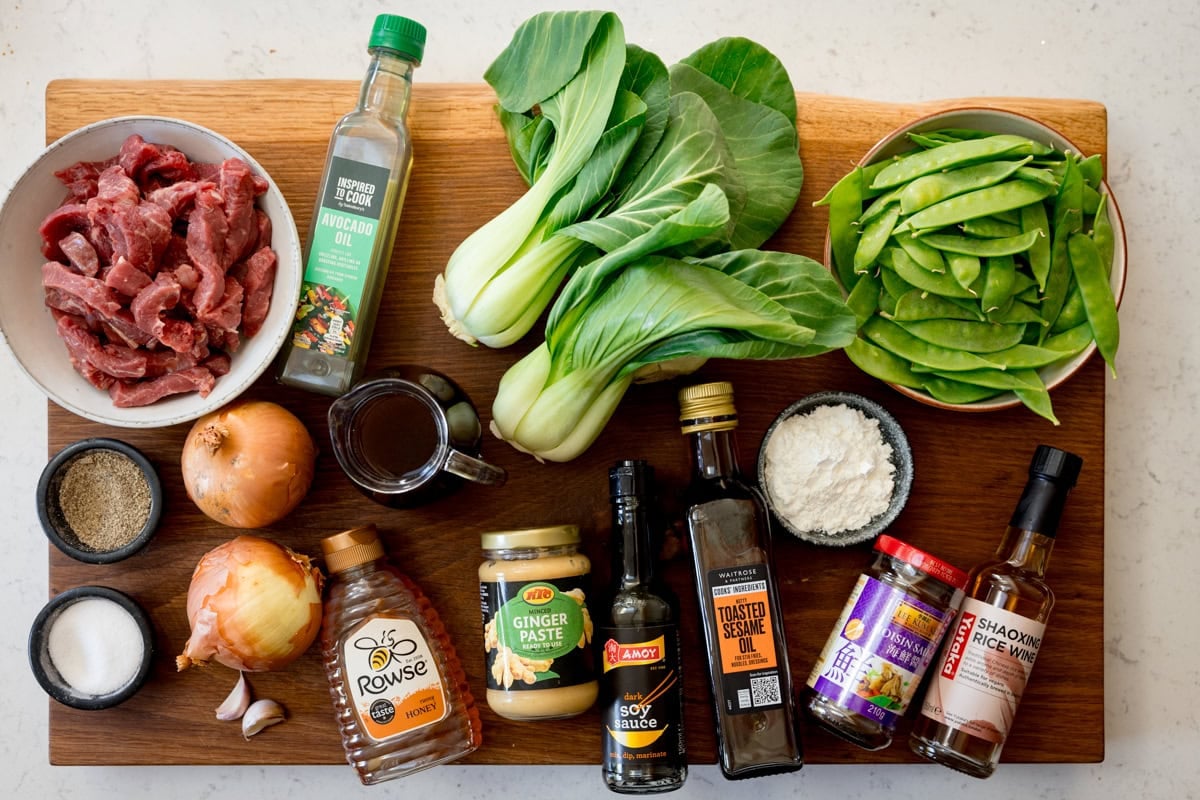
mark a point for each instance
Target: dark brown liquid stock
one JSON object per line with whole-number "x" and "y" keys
{"x": 397, "y": 434}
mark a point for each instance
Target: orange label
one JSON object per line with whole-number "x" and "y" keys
{"x": 392, "y": 678}
{"x": 743, "y": 616}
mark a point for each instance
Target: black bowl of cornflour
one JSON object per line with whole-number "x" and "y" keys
{"x": 112, "y": 493}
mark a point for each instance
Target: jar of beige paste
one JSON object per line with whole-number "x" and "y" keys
{"x": 537, "y": 631}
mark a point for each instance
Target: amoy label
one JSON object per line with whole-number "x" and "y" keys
{"x": 746, "y": 638}
{"x": 343, "y": 239}
{"x": 873, "y": 661}
{"x": 537, "y": 634}
{"x": 395, "y": 686}
{"x": 643, "y": 700}
{"x": 984, "y": 668}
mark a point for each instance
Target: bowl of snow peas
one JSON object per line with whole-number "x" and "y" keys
{"x": 984, "y": 258}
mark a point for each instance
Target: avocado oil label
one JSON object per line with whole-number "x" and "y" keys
{"x": 339, "y": 256}
{"x": 642, "y": 695}
{"x": 394, "y": 682}
{"x": 537, "y": 634}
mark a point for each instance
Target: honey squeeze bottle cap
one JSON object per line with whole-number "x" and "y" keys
{"x": 352, "y": 548}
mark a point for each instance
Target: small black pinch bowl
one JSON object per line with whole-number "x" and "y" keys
{"x": 54, "y": 522}
{"x": 901, "y": 460}
{"x": 47, "y": 674}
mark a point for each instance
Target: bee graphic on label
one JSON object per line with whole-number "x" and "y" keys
{"x": 383, "y": 651}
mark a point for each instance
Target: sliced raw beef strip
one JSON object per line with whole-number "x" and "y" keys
{"x": 176, "y": 255}
{"x": 261, "y": 185}
{"x": 264, "y": 229}
{"x": 227, "y": 315}
{"x": 91, "y": 291}
{"x": 217, "y": 364}
{"x": 177, "y": 198}
{"x": 80, "y": 178}
{"x": 205, "y": 171}
{"x": 257, "y": 274}
{"x": 126, "y": 278}
{"x": 237, "y": 188}
{"x": 127, "y": 395}
{"x": 115, "y": 188}
{"x": 80, "y": 253}
{"x": 112, "y": 359}
{"x": 122, "y": 328}
{"x": 228, "y": 341}
{"x": 207, "y": 229}
{"x": 135, "y": 154}
{"x": 59, "y": 224}
{"x": 171, "y": 166}
{"x": 148, "y": 307}
{"x": 162, "y": 362}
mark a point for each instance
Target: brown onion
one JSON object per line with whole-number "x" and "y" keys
{"x": 252, "y": 605}
{"x": 248, "y": 464}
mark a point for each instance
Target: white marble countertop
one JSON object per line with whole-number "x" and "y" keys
{"x": 1142, "y": 60}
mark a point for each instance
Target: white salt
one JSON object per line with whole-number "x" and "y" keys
{"x": 96, "y": 646}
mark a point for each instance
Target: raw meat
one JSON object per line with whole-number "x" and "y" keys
{"x": 126, "y": 394}
{"x": 80, "y": 253}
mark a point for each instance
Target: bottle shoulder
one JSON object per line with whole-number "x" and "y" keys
{"x": 1009, "y": 586}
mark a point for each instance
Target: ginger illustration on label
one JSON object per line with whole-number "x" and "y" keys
{"x": 394, "y": 682}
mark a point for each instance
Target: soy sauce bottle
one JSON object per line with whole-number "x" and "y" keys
{"x": 641, "y": 684}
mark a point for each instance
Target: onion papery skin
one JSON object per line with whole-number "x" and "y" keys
{"x": 253, "y": 605}
{"x": 249, "y": 464}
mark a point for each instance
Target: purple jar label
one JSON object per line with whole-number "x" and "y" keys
{"x": 873, "y": 660}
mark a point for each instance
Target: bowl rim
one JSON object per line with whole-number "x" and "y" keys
{"x": 289, "y": 231}
{"x": 901, "y": 458}
{"x": 1004, "y": 400}
{"x": 39, "y": 643}
{"x": 44, "y": 501}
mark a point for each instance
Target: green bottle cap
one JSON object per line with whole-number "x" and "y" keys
{"x": 405, "y": 36}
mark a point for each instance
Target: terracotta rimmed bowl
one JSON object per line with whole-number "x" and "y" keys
{"x": 997, "y": 121}
{"x": 27, "y": 325}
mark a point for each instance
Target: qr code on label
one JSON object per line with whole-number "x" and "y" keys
{"x": 765, "y": 690}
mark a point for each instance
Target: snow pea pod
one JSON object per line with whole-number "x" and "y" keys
{"x": 982, "y": 248}
{"x": 863, "y": 299}
{"x": 1012, "y": 216}
{"x": 928, "y": 257}
{"x": 845, "y": 201}
{"x": 999, "y": 276}
{"x": 1068, "y": 219}
{"x": 918, "y": 305}
{"x": 981, "y": 202}
{"x": 879, "y": 363}
{"x": 1102, "y": 235}
{"x": 997, "y": 378}
{"x": 1037, "y": 401}
{"x": 1072, "y": 312}
{"x": 990, "y": 228}
{"x": 1097, "y": 295}
{"x": 1092, "y": 170}
{"x": 956, "y": 392}
{"x": 878, "y": 206}
{"x": 909, "y": 270}
{"x": 956, "y": 154}
{"x": 1019, "y": 313}
{"x": 925, "y": 191}
{"x": 964, "y": 268}
{"x": 1038, "y": 175}
{"x": 896, "y": 340}
{"x": 1056, "y": 348}
{"x": 874, "y": 237}
{"x": 972, "y": 336}
{"x": 1091, "y": 200}
{"x": 1033, "y": 218}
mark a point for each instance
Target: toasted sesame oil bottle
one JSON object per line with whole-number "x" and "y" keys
{"x": 354, "y": 224}
{"x": 398, "y": 689}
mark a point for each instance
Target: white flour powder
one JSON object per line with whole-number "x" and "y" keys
{"x": 829, "y": 470}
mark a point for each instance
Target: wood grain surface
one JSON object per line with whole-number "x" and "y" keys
{"x": 969, "y": 467}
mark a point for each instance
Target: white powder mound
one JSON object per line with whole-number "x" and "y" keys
{"x": 829, "y": 471}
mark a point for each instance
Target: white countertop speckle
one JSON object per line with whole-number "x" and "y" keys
{"x": 1141, "y": 59}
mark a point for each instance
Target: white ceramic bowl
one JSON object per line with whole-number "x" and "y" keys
{"x": 996, "y": 121}
{"x": 26, "y": 323}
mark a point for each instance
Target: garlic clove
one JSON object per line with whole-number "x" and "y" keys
{"x": 261, "y": 714}
{"x": 237, "y": 702}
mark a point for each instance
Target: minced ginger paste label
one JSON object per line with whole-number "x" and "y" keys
{"x": 394, "y": 683}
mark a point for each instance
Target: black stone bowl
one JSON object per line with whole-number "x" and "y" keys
{"x": 48, "y": 675}
{"x": 54, "y": 522}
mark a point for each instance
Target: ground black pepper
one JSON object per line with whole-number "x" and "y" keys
{"x": 105, "y": 499}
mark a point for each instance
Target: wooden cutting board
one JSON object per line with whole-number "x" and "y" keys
{"x": 969, "y": 467}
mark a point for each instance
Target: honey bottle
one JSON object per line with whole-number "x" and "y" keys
{"x": 398, "y": 689}
{"x": 987, "y": 656}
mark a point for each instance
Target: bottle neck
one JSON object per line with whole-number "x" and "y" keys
{"x": 387, "y": 86}
{"x": 1030, "y": 535}
{"x": 714, "y": 454}
{"x": 635, "y": 562}
{"x": 1026, "y": 550}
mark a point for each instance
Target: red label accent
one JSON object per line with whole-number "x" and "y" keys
{"x": 954, "y": 655}
{"x": 639, "y": 653}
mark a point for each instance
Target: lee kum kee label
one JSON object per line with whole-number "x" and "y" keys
{"x": 394, "y": 683}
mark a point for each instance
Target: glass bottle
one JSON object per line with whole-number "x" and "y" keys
{"x": 353, "y": 228}
{"x": 968, "y": 709}
{"x": 398, "y": 689}
{"x": 641, "y": 702}
{"x": 730, "y": 539}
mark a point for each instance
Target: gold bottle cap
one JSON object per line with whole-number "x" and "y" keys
{"x": 550, "y": 536}
{"x": 352, "y": 548}
{"x": 707, "y": 407}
